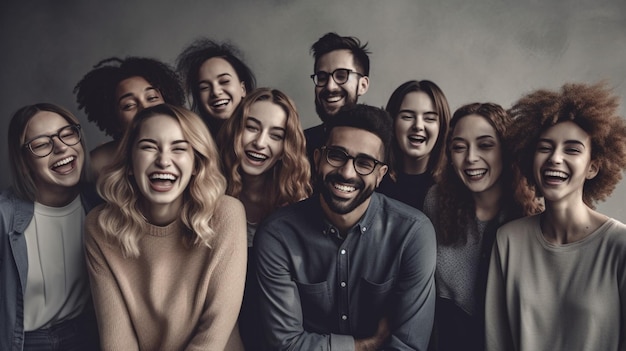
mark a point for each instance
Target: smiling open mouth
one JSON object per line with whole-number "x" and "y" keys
{"x": 555, "y": 175}
{"x": 417, "y": 139}
{"x": 63, "y": 162}
{"x": 256, "y": 156}
{"x": 220, "y": 103}
{"x": 475, "y": 173}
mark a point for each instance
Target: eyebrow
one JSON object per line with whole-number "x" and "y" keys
{"x": 257, "y": 121}
{"x": 148, "y": 140}
{"x": 572, "y": 141}
{"x": 218, "y": 76}
{"x": 129, "y": 94}
{"x": 481, "y": 137}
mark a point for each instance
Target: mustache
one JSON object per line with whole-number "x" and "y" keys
{"x": 338, "y": 178}
{"x": 327, "y": 93}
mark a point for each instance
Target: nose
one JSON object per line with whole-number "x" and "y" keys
{"x": 347, "y": 171}
{"x": 556, "y": 157}
{"x": 472, "y": 154}
{"x": 260, "y": 141}
{"x": 58, "y": 145}
{"x": 331, "y": 84}
{"x": 163, "y": 160}
{"x": 216, "y": 90}
{"x": 418, "y": 124}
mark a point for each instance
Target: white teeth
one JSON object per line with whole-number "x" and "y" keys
{"x": 417, "y": 138}
{"x": 345, "y": 188}
{"x": 334, "y": 98}
{"x": 555, "y": 174}
{"x": 257, "y": 155}
{"x": 163, "y": 176}
{"x": 220, "y": 103}
{"x": 475, "y": 172}
{"x": 63, "y": 162}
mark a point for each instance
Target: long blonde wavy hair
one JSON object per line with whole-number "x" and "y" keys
{"x": 121, "y": 217}
{"x": 290, "y": 179}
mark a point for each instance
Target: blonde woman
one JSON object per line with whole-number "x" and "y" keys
{"x": 166, "y": 253}
{"x": 264, "y": 157}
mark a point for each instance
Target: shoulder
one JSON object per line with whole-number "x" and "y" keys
{"x": 228, "y": 207}
{"x": 431, "y": 200}
{"x": 102, "y": 156}
{"x": 14, "y": 211}
{"x": 383, "y": 205}
{"x": 518, "y": 231}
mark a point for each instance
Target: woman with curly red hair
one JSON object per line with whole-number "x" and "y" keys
{"x": 557, "y": 280}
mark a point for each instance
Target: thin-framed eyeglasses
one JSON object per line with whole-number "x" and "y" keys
{"x": 340, "y": 76}
{"x": 42, "y": 146}
{"x": 363, "y": 165}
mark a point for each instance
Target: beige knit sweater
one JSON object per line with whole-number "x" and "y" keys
{"x": 171, "y": 297}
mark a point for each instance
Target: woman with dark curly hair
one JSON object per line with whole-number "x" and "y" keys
{"x": 266, "y": 167}
{"x": 557, "y": 280}
{"x": 421, "y": 116}
{"x": 115, "y": 90}
{"x": 216, "y": 79}
{"x": 474, "y": 196}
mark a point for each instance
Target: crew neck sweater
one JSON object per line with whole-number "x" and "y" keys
{"x": 173, "y": 296}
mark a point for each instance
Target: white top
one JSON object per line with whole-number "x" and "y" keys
{"x": 542, "y": 296}
{"x": 57, "y": 286}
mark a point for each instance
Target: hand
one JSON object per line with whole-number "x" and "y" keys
{"x": 375, "y": 341}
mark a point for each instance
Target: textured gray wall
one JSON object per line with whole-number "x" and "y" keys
{"x": 485, "y": 50}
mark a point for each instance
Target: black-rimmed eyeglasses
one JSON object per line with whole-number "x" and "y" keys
{"x": 340, "y": 76}
{"x": 43, "y": 145}
{"x": 363, "y": 165}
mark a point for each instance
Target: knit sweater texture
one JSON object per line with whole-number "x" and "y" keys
{"x": 173, "y": 296}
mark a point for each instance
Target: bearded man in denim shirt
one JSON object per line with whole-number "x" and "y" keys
{"x": 348, "y": 269}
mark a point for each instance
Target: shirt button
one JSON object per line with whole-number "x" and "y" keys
{"x": 343, "y": 284}
{"x": 344, "y": 317}
{"x": 364, "y": 229}
{"x": 332, "y": 230}
{"x": 343, "y": 252}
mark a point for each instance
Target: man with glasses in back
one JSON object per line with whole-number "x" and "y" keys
{"x": 348, "y": 268}
{"x": 340, "y": 75}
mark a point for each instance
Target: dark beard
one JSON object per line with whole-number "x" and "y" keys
{"x": 341, "y": 206}
{"x": 321, "y": 112}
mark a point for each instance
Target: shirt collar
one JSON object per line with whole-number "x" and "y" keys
{"x": 363, "y": 225}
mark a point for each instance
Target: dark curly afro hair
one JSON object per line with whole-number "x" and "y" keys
{"x": 594, "y": 109}
{"x": 95, "y": 93}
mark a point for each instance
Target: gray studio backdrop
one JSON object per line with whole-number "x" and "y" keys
{"x": 485, "y": 50}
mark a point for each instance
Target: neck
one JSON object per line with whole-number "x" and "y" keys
{"x": 412, "y": 165}
{"x": 344, "y": 222}
{"x": 253, "y": 196}
{"x": 568, "y": 223}
{"x": 162, "y": 214}
{"x": 56, "y": 197}
{"x": 488, "y": 203}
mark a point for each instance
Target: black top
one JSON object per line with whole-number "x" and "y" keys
{"x": 408, "y": 188}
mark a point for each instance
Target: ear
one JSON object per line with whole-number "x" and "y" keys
{"x": 317, "y": 155}
{"x": 593, "y": 170}
{"x": 364, "y": 84}
{"x": 243, "y": 88}
{"x": 382, "y": 170}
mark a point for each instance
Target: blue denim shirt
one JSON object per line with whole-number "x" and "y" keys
{"x": 15, "y": 216}
{"x": 320, "y": 292}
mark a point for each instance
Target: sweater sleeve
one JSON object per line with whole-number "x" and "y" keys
{"x": 114, "y": 324}
{"x": 217, "y": 327}
{"x": 497, "y": 329}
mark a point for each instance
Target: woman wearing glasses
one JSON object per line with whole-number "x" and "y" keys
{"x": 420, "y": 117}
{"x": 265, "y": 164}
{"x": 44, "y": 294}
{"x": 115, "y": 90}
{"x": 216, "y": 79}
{"x": 475, "y": 195}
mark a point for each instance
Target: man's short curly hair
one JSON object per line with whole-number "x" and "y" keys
{"x": 95, "y": 93}
{"x": 594, "y": 109}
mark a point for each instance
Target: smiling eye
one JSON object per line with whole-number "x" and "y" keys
{"x": 458, "y": 147}
{"x": 277, "y": 137}
{"x": 407, "y": 117}
{"x": 431, "y": 117}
